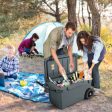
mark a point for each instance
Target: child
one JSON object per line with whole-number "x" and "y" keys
{"x": 27, "y": 46}
{"x": 9, "y": 65}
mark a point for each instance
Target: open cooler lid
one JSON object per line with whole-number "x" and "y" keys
{"x": 51, "y": 68}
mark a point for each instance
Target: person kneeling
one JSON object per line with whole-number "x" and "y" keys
{"x": 28, "y": 46}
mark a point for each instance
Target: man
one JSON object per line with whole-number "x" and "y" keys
{"x": 27, "y": 46}
{"x": 59, "y": 42}
{"x": 9, "y": 65}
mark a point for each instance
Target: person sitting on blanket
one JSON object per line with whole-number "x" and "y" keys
{"x": 9, "y": 64}
{"x": 27, "y": 46}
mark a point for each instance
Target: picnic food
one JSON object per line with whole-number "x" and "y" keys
{"x": 23, "y": 83}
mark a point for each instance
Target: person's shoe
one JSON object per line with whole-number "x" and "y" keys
{"x": 24, "y": 54}
{"x": 98, "y": 91}
{"x": 2, "y": 82}
{"x": 1, "y": 74}
{"x": 36, "y": 51}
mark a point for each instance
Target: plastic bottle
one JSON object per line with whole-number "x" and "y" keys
{"x": 64, "y": 76}
{"x": 76, "y": 74}
{"x": 70, "y": 69}
{"x": 87, "y": 76}
{"x": 65, "y": 81}
{"x": 74, "y": 77}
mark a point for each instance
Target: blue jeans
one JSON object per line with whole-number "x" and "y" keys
{"x": 95, "y": 71}
{"x": 2, "y": 82}
{"x": 14, "y": 76}
{"x": 27, "y": 50}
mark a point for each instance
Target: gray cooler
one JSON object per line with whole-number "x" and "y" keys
{"x": 63, "y": 97}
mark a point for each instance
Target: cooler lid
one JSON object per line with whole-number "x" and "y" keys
{"x": 51, "y": 68}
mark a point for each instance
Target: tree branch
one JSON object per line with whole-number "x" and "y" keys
{"x": 46, "y": 12}
{"x": 44, "y": 1}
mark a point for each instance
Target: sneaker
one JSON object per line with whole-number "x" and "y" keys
{"x": 24, "y": 54}
{"x": 1, "y": 73}
{"x": 2, "y": 82}
{"x": 98, "y": 91}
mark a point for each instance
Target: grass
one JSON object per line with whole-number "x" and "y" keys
{"x": 32, "y": 64}
{"x": 106, "y": 75}
{"x": 15, "y": 39}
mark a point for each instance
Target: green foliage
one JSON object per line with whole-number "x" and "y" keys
{"x": 85, "y": 28}
{"x": 107, "y": 38}
{"x": 104, "y": 3}
{"x": 11, "y": 11}
{"x": 7, "y": 25}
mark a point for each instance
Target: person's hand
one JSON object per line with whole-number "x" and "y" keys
{"x": 1, "y": 71}
{"x": 85, "y": 66}
{"x": 71, "y": 66}
{"x": 90, "y": 71}
{"x": 61, "y": 70}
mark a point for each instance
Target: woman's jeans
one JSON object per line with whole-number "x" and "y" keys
{"x": 95, "y": 75}
{"x": 95, "y": 71}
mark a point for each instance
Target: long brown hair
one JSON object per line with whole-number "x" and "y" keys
{"x": 88, "y": 39}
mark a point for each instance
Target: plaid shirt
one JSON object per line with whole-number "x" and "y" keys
{"x": 9, "y": 66}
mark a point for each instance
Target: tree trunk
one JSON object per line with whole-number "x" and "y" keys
{"x": 57, "y": 15}
{"x": 78, "y": 15}
{"x": 71, "y": 4}
{"x": 96, "y": 23}
{"x": 89, "y": 16}
{"x": 58, "y": 18}
{"x": 83, "y": 19}
{"x": 53, "y": 12}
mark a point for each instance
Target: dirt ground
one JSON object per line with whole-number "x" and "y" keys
{"x": 100, "y": 103}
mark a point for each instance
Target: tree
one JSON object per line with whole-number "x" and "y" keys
{"x": 52, "y": 8}
{"x": 96, "y": 22}
{"x": 104, "y": 3}
{"x": 11, "y": 11}
{"x": 71, "y": 4}
{"x": 83, "y": 19}
{"x": 89, "y": 16}
{"x": 78, "y": 15}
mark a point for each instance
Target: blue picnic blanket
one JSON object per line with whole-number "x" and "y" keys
{"x": 32, "y": 91}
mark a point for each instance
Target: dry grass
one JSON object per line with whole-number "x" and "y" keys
{"x": 9, "y": 103}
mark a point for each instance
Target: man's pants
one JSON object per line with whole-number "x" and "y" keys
{"x": 60, "y": 52}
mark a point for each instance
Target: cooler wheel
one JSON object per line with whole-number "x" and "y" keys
{"x": 89, "y": 93}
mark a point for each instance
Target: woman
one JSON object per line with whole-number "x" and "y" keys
{"x": 93, "y": 54}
